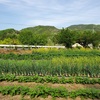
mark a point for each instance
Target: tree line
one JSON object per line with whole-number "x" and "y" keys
{"x": 69, "y": 37}
{"x": 66, "y": 37}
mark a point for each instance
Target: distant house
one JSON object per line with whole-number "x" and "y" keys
{"x": 76, "y": 45}
{"x": 90, "y": 46}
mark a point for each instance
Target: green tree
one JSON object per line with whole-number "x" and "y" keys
{"x": 84, "y": 38}
{"x": 88, "y": 37}
{"x": 27, "y": 37}
{"x": 9, "y": 36}
{"x": 39, "y": 39}
{"x": 9, "y": 41}
{"x": 66, "y": 37}
{"x": 96, "y": 39}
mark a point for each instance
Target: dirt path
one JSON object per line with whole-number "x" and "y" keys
{"x": 7, "y": 51}
{"x": 68, "y": 86}
{"x": 19, "y": 97}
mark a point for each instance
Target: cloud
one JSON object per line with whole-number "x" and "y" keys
{"x": 51, "y": 12}
{"x": 4, "y": 1}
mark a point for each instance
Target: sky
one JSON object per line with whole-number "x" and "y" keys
{"x": 20, "y": 14}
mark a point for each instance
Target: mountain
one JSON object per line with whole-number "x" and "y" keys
{"x": 41, "y": 35}
{"x": 8, "y": 33}
{"x": 85, "y": 27}
{"x": 46, "y": 33}
{"x": 42, "y": 29}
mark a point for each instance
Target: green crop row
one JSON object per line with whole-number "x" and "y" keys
{"x": 66, "y": 51}
{"x": 50, "y": 79}
{"x": 81, "y": 66}
{"x": 44, "y": 91}
{"x": 38, "y": 54}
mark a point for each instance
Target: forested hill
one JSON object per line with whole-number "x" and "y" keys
{"x": 51, "y": 29}
{"x": 85, "y": 27}
{"x": 42, "y": 29}
{"x": 8, "y": 33}
{"x": 50, "y": 35}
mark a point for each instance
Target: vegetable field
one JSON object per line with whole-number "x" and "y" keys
{"x": 51, "y": 66}
{"x": 73, "y": 66}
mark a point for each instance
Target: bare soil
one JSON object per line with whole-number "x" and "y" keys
{"x": 19, "y": 97}
{"x": 20, "y": 51}
{"x": 67, "y": 86}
